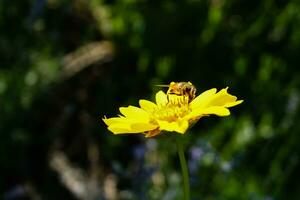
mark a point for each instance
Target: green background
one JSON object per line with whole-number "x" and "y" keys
{"x": 65, "y": 64}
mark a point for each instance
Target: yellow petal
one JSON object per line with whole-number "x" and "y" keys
{"x": 161, "y": 98}
{"x": 199, "y": 112}
{"x": 231, "y": 104}
{"x": 119, "y": 128}
{"x": 222, "y": 98}
{"x": 148, "y": 106}
{"x": 135, "y": 113}
{"x": 204, "y": 97}
{"x": 113, "y": 120}
{"x": 210, "y": 98}
{"x": 216, "y": 110}
{"x": 178, "y": 126}
{"x": 142, "y": 127}
{"x": 124, "y": 126}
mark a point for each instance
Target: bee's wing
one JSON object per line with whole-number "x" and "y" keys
{"x": 162, "y": 85}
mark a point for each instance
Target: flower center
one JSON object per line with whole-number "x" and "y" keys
{"x": 176, "y": 108}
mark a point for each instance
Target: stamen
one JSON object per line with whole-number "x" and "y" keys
{"x": 177, "y": 107}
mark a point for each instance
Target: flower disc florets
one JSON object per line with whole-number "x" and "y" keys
{"x": 176, "y": 108}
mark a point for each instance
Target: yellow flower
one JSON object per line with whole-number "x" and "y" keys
{"x": 171, "y": 112}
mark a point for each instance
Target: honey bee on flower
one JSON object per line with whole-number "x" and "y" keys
{"x": 181, "y": 89}
{"x": 173, "y": 111}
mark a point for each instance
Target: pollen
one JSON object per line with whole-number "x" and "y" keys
{"x": 176, "y": 108}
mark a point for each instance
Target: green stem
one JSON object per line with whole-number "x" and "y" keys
{"x": 184, "y": 169}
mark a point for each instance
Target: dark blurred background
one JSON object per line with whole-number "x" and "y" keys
{"x": 65, "y": 64}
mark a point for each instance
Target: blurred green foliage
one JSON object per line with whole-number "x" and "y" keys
{"x": 251, "y": 46}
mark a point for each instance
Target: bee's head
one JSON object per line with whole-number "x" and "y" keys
{"x": 174, "y": 88}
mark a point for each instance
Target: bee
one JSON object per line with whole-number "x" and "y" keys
{"x": 181, "y": 89}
